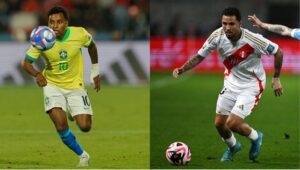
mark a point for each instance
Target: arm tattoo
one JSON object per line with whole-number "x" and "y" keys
{"x": 279, "y": 29}
{"x": 192, "y": 62}
{"x": 277, "y": 63}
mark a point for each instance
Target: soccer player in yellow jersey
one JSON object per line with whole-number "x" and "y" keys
{"x": 62, "y": 78}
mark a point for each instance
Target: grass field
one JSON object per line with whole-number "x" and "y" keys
{"x": 184, "y": 110}
{"x": 119, "y": 137}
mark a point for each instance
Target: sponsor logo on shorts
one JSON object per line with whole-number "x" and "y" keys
{"x": 241, "y": 107}
{"x": 47, "y": 101}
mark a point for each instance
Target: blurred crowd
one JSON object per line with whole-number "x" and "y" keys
{"x": 104, "y": 19}
{"x": 180, "y": 28}
{"x": 196, "y": 18}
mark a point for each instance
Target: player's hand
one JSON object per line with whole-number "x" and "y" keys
{"x": 276, "y": 85}
{"x": 255, "y": 21}
{"x": 40, "y": 80}
{"x": 97, "y": 83}
{"x": 177, "y": 72}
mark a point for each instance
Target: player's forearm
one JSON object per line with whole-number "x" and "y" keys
{"x": 279, "y": 29}
{"x": 191, "y": 63}
{"x": 92, "y": 49}
{"x": 278, "y": 58}
{"x": 27, "y": 66}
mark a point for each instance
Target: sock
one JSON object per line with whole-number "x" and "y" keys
{"x": 69, "y": 139}
{"x": 253, "y": 135}
{"x": 231, "y": 141}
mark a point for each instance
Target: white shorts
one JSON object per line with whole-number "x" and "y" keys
{"x": 241, "y": 102}
{"x": 74, "y": 101}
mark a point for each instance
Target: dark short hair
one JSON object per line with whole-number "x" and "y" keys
{"x": 59, "y": 9}
{"x": 231, "y": 11}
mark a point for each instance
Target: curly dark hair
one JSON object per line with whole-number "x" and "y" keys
{"x": 231, "y": 11}
{"x": 59, "y": 9}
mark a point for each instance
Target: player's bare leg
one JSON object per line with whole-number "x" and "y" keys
{"x": 59, "y": 118}
{"x": 84, "y": 122}
{"x": 238, "y": 125}
{"x": 220, "y": 123}
{"x": 233, "y": 145}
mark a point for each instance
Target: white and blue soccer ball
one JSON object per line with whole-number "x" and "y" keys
{"x": 178, "y": 153}
{"x": 42, "y": 38}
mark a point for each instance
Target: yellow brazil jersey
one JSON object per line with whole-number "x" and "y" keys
{"x": 64, "y": 62}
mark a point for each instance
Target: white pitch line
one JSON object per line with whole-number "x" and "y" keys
{"x": 167, "y": 81}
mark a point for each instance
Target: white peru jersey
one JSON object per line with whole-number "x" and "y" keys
{"x": 242, "y": 59}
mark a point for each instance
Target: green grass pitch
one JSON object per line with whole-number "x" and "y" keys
{"x": 184, "y": 110}
{"x": 119, "y": 137}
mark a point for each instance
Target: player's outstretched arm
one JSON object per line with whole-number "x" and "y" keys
{"x": 279, "y": 29}
{"x": 95, "y": 73}
{"x": 191, "y": 63}
{"x": 276, "y": 84}
{"x": 39, "y": 78}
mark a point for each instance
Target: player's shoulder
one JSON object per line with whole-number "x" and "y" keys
{"x": 32, "y": 53}
{"x": 249, "y": 34}
{"x": 32, "y": 49}
{"x": 79, "y": 33}
{"x": 254, "y": 38}
{"x": 77, "y": 29}
{"x": 216, "y": 34}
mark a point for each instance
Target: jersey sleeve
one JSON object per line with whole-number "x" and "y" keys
{"x": 86, "y": 38}
{"x": 296, "y": 33}
{"x": 261, "y": 44}
{"x": 270, "y": 48}
{"x": 210, "y": 44}
{"x": 32, "y": 54}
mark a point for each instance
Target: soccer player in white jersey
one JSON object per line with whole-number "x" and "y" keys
{"x": 244, "y": 79}
{"x": 62, "y": 78}
{"x": 279, "y": 29}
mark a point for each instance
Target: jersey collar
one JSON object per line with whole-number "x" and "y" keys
{"x": 66, "y": 36}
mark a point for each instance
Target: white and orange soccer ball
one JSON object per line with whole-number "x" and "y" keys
{"x": 178, "y": 153}
{"x": 42, "y": 38}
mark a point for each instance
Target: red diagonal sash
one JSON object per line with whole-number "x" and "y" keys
{"x": 238, "y": 56}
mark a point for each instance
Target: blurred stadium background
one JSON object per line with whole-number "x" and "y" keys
{"x": 186, "y": 24}
{"x": 120, "y": 29}
{"x": 183, "y": 110}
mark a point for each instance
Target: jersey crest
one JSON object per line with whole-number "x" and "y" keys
{"x": 63, "y": 54}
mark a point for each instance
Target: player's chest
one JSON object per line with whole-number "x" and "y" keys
{"x": 63, "y": 52}
{"x": 238, "y": 49}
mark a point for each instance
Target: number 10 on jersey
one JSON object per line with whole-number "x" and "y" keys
{"x": 63, "y": 66}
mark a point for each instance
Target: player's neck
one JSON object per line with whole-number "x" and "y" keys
{"x": 237, "y": 37}
{"x": 62, "y": 36}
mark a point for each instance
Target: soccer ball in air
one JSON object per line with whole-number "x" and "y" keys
{"x": 178, "y": 153}
{"x": 42, "y": 37}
